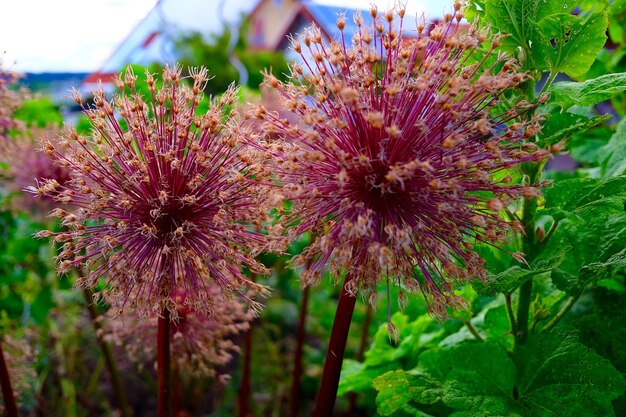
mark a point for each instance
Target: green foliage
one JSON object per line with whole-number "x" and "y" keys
{"x": 509, "y": 280}
{"x": 562, "y": 377}
{"x": 39, "y": 112}
{"x": 589, "y": 92}
{"x": 613, "y": 155}
{"x": 397, "y": 389}
{"x": 558, "y": 377}
{"x": 550, "y": 37}
{"x": 213, "y": 53}
{"x": 566, "y": 43}
{"x": 561, "y": 127}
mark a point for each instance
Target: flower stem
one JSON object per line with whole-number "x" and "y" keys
{"x": 325, "y": 401}
{"x": 116, "y": 380}
{"x": 297, "y": 365}
{"x": 164, "y": 372}
{"x": 7, "y": 392}
{"x": 563, "y": 311}
{"x": 244, "y": 389}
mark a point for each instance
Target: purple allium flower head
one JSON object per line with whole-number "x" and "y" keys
{"x": 200, "y": 344}
{"x": 398, "y": 162}
{"x": 169, "y": 202}
{"x": 10, "y": 100}
{"x": 25, "y": 162}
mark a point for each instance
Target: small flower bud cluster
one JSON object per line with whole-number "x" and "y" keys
{"x": 200, "y": 343}
{"x": 171, "y": 199}
{"x": 398, "y": 161}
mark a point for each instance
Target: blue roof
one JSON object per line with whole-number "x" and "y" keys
{"x": 327, "y": 18}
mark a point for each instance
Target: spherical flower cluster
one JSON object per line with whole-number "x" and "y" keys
{"x": 200, "y": 344}
{"x": 166, "y": 198}
{"x": 399, "y": 162}
{"x": 25, "y": 163}
{"x": 10, "y": 100}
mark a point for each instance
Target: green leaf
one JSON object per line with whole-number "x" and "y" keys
{"x": 562, "y": 377}
{"x": 514, "y": 18}
{"x": 357, "y": 377}
{"x": 613, "y": 155}
{"x": 476, "y": 377}
{"x": 580, "y": 195}
{"x": 397, "y": 389}
{"x": 589, "y": 92}
{"x": 562, "y": 126}
{"x": 567, "y": 43}
{"x": 509, "y": 280}
{"x": 497, "y": 327}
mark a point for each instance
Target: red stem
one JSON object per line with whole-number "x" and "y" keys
{"x": 327, "y": 394}
{"x": 244, "y": 389}
{"x": 164, "y": 371}
{"x": 7, "y": 392}
{"x": 297, "y": 365}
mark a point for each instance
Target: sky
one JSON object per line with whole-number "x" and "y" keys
{"x": 79, "y": 35}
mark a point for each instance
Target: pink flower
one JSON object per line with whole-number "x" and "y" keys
{"x": 401, "y": 154}
{"x": 200, "y": 343}
{"x": 167, "y": 199}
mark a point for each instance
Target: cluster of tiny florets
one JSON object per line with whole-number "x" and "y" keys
{"x": 399, "y": 162}
{"x": 164, "y": 198}
{"x": 25, "y": 164}
{"x": 10, "y": 99}
{"x": 201, "y": 345}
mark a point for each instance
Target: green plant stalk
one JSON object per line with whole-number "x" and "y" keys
{"x": 525, "y": 292}
{"x": 563, "y": 311}
{"x": 509, "y": 312}
{"x": 473, "y": 331}
{"x": 116, "y": 380}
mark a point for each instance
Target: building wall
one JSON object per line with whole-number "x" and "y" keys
{"x": 269, "y": 22}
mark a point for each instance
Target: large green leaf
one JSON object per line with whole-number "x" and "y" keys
{"x": 397, "y": 390}
{"x": 613, "y": 155}
{"x": 561, "y": 127}
{"x": 582, "y": 195}
{"x": 477, "y": 377}
{"x": 562, "y": 377}
{"x": 509, "y": 280}
{"x": 556, "y": 39}
{"x": 567, "y": 43}
{"x": 589, "y": 92}
{"x": 514, "y": 18}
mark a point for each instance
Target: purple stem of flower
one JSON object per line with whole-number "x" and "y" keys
{"x": 325, "y": 401}
{"x": 164, "y": 372}
{"x": 297, "y": 364}
{"x": 244, "y": 389}
{"x": 7, "y": 392}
